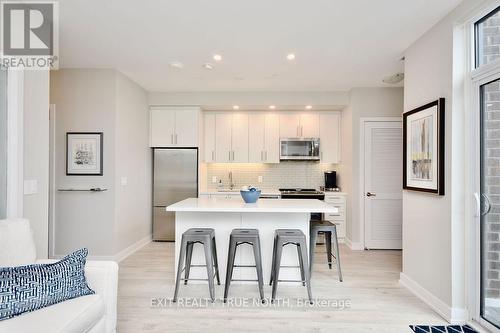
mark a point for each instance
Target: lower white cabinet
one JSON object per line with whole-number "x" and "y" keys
{"x": 222, "y": 195}
{"x": 339, "y": 201}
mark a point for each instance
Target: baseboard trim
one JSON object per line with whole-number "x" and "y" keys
{"x": 120, "y": 255}
{"x": 133, "y": 248}
{"x": 452, "y": 315}
{"x": 354, "y": 246}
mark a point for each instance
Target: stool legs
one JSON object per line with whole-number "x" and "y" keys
{"x": 301, "y": 266}
{"x": 189, "y": 256}
{"x": 210, "y": 268}
{"x": 302, "y": 249}
{"x": 230, "y": 266}
{"x": 337, "y": 255}
{"x": 276, "y": 268}
{"x": 258, "y": 264}
{"x": 179, "y": 267}
{"x": 312, "y": 246}
{"x": 274, "y": 260}
{"x": 216, "y": 261}
{"x": 328, "y": 241}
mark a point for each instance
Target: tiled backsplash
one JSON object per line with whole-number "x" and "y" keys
{"x": 282, "y": 175}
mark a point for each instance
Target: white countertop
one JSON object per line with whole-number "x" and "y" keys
{"x": 262, "y": 206}
{"x": 264, "y": 191}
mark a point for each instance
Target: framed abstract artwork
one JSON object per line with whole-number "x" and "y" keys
{"x": 84, "y": 154}
{"x": 423, "y": 148}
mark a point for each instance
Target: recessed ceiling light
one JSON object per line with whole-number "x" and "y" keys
{"x": 272, "y": 107}
{"x": 217, "y": 57}
{"x": 236, "y": 107}
{"x": 290, "y": 56}
{"x": 208, "y": 66}
{"x": 176, "y": 64}
{"x": 309, "y": 107}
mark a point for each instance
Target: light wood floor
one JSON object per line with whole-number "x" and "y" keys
{"x": 377, "y": 302}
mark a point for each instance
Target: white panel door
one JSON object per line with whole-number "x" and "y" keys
{"x": 309, "y": 125}
{"x": 257, "y": 137}
{"x": 383, "y": 185}
{"x": 272, "y": 139}
{"x": 329, "y": 131}
{"x": 209, "y": 132}
{"x": 186, "y": 128}
{"x": 240, "y": 138}
{"x": 289, "y": 125}
{"x": 161, "y": 127}
{"x": 223, "y": 123}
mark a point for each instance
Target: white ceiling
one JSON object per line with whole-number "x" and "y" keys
{"x": 339, "y": 44}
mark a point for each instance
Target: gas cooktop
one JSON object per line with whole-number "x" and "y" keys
{"x": 300, "y": 191}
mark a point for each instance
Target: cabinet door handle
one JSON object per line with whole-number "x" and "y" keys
{"x": 298, "y": 131}
{"x": 265, "y": 155}
{"x": 176, "y": 138}
{"x": 261, "y": 155}
{"x": 301, "y": 131}
{"x": 213, "y": 155}
{"x": 233, "y": 155}
{"x": 230, "y": 155}
{"x": 171, "y": 138}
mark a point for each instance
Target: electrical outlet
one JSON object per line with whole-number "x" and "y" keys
{"x": 214, "y": 179}
{"x": 260, "y": 179}
{"x": 123, "y": 181}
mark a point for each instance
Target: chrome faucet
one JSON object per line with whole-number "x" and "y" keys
{"x": 231, "y": 183}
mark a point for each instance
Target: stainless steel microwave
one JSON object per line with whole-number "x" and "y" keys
{"x": 299, "y": 149}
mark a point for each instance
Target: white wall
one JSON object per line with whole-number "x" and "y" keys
{"x": 36, "y": 155}
{"x": 133, "y": 162}
{"x": 102, "y": 100}
{"x": 433, "y": 226}
{"x": 364, "y": 102}
{"x": 85, "y": 102}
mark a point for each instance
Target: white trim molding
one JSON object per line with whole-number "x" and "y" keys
{"x": 452, "y": 315}
{"x": 133, "y": 248}
{"x": 15, "y": 149}
{"x": 354, "y": 246}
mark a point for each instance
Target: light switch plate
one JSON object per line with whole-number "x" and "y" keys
{"x": 123, "y": 181}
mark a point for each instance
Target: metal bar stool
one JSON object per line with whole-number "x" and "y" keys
{"x": 205, "y": 236}
{"x": 239, "y": 237}
{"x": 330, "y": 230}
{"x": 295, "y": 237}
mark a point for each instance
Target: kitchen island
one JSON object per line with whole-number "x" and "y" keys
{"x": 266, "y": 215}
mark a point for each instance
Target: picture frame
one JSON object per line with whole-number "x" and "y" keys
{"x": 424, "y": 147}
{"x": 84, "y": 153}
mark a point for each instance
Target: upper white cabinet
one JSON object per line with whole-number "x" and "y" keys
{"x": 254, "y": 137}
{"x": 209, "y": 138}
{"x": 289, "y": 125}
{"x": 299, "y": 125}
{"x": 174, "y": 127}
{"x": 330, "y": 137}
{"x": 231, "y": 138}
{"x": 264, "y": 133}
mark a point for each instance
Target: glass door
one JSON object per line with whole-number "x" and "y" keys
{"x": 489, "y": 198}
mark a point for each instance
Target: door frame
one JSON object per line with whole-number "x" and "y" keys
{"x": 361, "y": 175}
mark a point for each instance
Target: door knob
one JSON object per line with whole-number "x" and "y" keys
{"x": 368, "y": 194}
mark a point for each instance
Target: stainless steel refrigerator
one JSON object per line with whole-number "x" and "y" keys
{"x": 175, "y": 178}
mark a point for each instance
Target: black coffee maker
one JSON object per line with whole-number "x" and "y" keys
{"x": 331, "y": 181}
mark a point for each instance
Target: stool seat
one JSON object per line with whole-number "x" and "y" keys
{"x": 330, "y": 230}
{"x": 290, "y": 233}
{"x": 282, "y": 238}
{"x": 245, "y": 232}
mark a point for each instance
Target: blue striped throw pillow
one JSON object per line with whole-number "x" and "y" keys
{"x": 32, "y": 287}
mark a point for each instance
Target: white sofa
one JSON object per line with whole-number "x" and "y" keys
{"x": 91, "y": 313}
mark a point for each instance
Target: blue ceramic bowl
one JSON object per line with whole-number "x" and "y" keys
{"x": 250, "y": 196}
